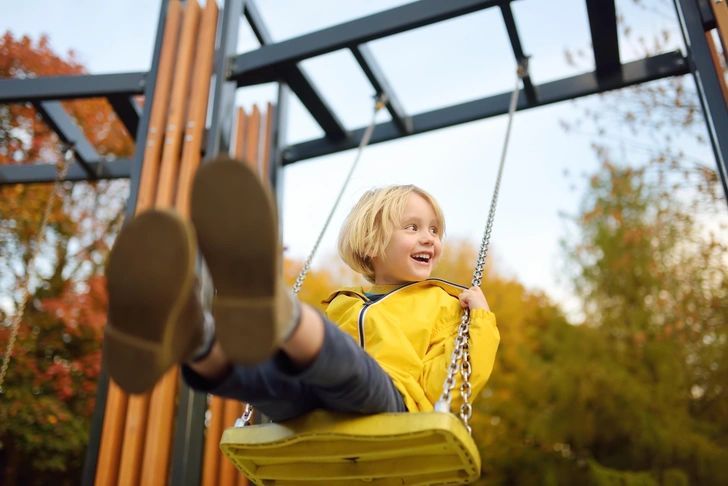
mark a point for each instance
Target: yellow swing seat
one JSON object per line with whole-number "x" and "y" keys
{"x": 327, "y": 449}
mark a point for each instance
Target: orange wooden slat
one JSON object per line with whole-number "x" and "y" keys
{"x": 158, "y": 441}
{"x": 239, "y": 145}
{"x": 110, "y": 451}
{"x": 252, "y": 139}
{"x": 133, "y": 447}
{"x": 158, "y": 115}
{"x": 137, "y": 414}
{"x": 213, "y": 454}
{"x": 112, "y": 433}
{"x": 720, "y": 10}
{"x": 270, "y": 117}
{"x": 228, "y": 473}
{"x": 178, "y": 107}
{"x": 199, "y": 97}
{"x": 162, "y": 409}
{"x": 718, "y": 67}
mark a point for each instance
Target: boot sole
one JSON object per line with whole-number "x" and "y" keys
{"x": 237, "y": 230}
{"x": 150, "y": 275}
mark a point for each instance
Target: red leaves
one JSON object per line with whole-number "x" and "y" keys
{"x": 81, "y": 310}
{"x": 29, "y": 139}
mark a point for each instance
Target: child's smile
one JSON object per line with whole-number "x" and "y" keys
{"x": 414, "y": 248}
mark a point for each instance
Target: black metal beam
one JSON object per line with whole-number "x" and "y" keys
{"x": 707, "y": 15}
{"x": 707, "y": 81}
{"x": 252, "y": 15}
{"x": 128, "y": 112}
{"x": 264, "y": 64}
{"x": 58, "y": 119}
{"x": 311, "y": 98}
{"x": 374, "y": 73}
{"x": 605, "y": 41}
{"x": 189, "y": 438}
{"x": 223, "y": 100}
{"x": 641, "y": 71}
{"x": 279, "y": 134}
{"x": 88, "y": 477}
{"x": 45, "y": 173}
{"x": 298, "y": 81}
{"x": 71, "y": 87}
{"x": 521, "y": 59}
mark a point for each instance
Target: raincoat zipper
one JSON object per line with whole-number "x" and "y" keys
{"x": 367, "y": 305}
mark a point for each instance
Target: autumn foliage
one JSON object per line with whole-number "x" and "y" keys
{"x": 49, "y": 391}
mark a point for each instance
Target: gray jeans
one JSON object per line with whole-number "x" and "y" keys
{"x": 343, "y": 378}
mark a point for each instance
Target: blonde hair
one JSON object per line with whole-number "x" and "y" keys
{"x": 368, "y": 227}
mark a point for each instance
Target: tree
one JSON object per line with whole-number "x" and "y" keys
{"x": 49, "y": 390}
{"x": 655, "y": 288}
{"x": 658, "y": 125}
{"x": 622, "y": 398}
{"x": 649, "y": 263}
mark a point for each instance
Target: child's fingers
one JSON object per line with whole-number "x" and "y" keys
{"x": 464, "y": 300}
{"x": 473, "y": 298}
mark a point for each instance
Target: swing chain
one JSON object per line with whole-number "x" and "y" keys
{"x": 246, "y": 417}
{"x": 380, "y": 102}
{"x": 460, "y": 358}
{"x": 68, "y": 151}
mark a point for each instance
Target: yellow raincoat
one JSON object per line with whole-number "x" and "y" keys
{"x": 411, "y": 333}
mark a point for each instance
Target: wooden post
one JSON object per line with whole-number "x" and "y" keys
{"x": 133, "y": 446}
{"x": 138, "y": 412}
{"x": 158, "y": 116}
{"x": 720, "y": 11}
{"x": 199, "y": 97}
{"x": 178, "y": 107}
{"x": 270, "y": 117}
{"x": 717, "y": 64}
{"x": 252, "y": 139}
{"x": 113, "y": 433}
{"x": 239, "y": 142}
{"x": 159, "y": 438}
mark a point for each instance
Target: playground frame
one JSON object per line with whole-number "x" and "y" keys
{"x": 279, "y": 62}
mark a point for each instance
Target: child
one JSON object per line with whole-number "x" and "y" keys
{"x": 383, "y": 350}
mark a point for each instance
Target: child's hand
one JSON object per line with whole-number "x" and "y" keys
{"x": 473, "y": 298}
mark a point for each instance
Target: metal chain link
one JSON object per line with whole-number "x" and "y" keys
{"x": 380, "y": 102}
{"x": 62, "y": 170}
{"x": 460, "y": 358}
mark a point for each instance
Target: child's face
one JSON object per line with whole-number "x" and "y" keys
{"x": 414, "y": 248}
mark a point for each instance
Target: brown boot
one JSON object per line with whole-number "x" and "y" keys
{"x": 155, "y": 317}
{"x": 237, "y": 229}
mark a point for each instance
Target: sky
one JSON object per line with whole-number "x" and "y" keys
{"x": 435, "y": 66}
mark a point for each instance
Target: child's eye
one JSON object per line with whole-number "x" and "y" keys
{"x": 411, "y": 227}
{"x": 434, "y": 231}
